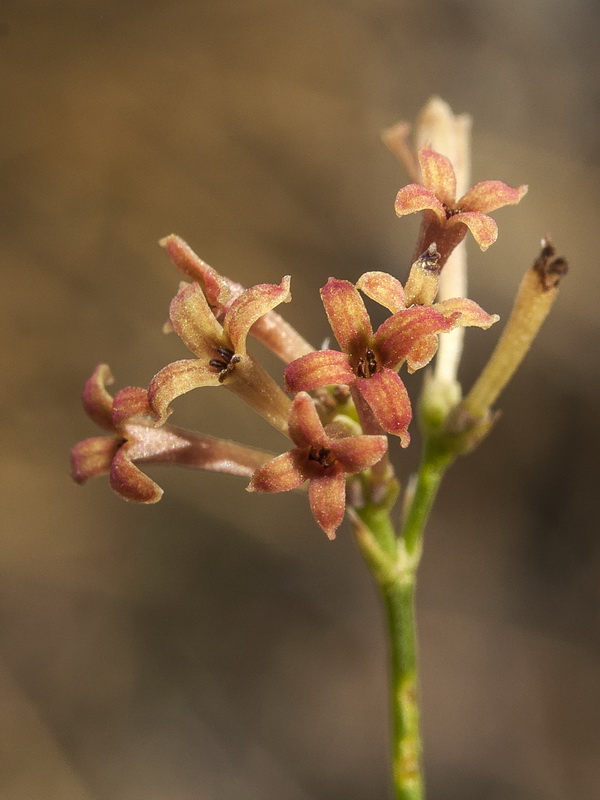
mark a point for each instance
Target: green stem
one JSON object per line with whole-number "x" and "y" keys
{"x": 434, "y": 462}
{"x": 395, "y": 576}
{"x": 393, "y": 563}
{"x": 406, "y": 738}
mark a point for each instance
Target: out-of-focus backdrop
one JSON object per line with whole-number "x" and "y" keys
{"x": 217, "y": 646}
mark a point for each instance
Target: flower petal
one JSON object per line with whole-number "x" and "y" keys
{"x": 195, "y": 323}
{"x": 216, "y": 288}
{"x": 421, "y": 352}
{"x": 438, "y": 175}
{"x": 489, "y": 195}
{"x": 130, "y": 402}
{"x": 327, "y": 496}
{"x": 304, "y": 426}
{"x": 399, "y": 334}
{"x": 356, "y": 453}
{"x": 177, "y": 379}
{"x": 97, "y": 401}
{"x": 388, "y": 399}
{"x": 384, "y": 289}
{"x": 249, "y": 307}
{"x": 347, "y": 315}
{"x": 483, "y": 228}
{"x": 93, "y": 457}
{"x": 130, "y": 482}
{"x": 283, "y": 473}
{"x": 321, "y": 368}
{"x": 414, "y": 197}
{"x": 470, "y": 313}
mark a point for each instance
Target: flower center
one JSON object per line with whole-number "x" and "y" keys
{"x": 451, "y": 212}
{"x": 367, "y": 364}
{"x": 225, "y": 364}
{"x": 322, "y": 455}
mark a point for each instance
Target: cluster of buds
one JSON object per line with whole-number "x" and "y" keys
{"x": 338, "y": 408}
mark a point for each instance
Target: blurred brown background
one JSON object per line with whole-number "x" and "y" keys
{"x": 217, "y": 646}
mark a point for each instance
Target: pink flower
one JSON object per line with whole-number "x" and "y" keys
{"x": 220, "y": 350}
{"x": 115, "y": 454}
{"x": 368, "y": 361}
{"x": 270, "y": 329}
{"x": 321, "y": 459}
{"x": 446, "y": 219}
{"x": 134, "y": 438}
{"x": 419, "y": 292}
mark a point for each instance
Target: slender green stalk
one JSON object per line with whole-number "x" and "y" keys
{"x": 406, "y": 738}
{"x": 434, "y": 463}
{"x": 394, "y": 562}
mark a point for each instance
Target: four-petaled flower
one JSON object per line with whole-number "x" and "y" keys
{"x": 446, "y": 219}
{"x": 133, "y": 437}
{"x": 320, "y": 458}
{"x": 419, "y": 292}
{"x": 220, "y": 291}
{"x": 220, "y": 351}
{"x": 368, "y": 361}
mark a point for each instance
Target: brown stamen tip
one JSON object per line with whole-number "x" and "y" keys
{"x": 549, "y": 268}
{"x": 367, "y": 364}
{"x": 322, "y": 456}
{"x": 429, "y": 260}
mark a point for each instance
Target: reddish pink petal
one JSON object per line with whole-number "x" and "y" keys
{"x": 321, "y": 368}
{"x": 177, "y": 379}
{"x": 283, "y": 473}
{"x": 413, "y": 198}
{"x": 421, "y": 353}
{"x": 93, "y": 457}
{"x": 483, "y": 228}
{"x": 347, "y": 315}
{"x": 327, "y": 496}
{"x": 388, "y": 399}
{"x": 216, "y": 288}
{"x": 384, "y": 289}
{"x": 359, "y": 452}
{"x": 489, "y": 195}
{"x": 249, "y": 307}
{"x": 195, "y": 323}
{"x": 130, "y": 402}
{"x": 470, "y": 313}
{"x": 438, "y": 176}
{"x": 397, "y": 336}
{"x": 97, "y": 402}
{"x": 305, "y": 427}
{"x": 130, "y": 482}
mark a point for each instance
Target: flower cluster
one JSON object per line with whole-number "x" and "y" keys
{"x": 343, "y": 402}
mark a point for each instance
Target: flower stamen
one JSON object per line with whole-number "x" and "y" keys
{"x": 322, "y": 455}
{"x": 451, "y": 212}
{"x": 226, "y": 363}
{"x": 367, "y": 364}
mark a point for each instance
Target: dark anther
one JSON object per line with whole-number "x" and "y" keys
{"x": 429, "y": 259}
{"x": 226, "y": 363}
{"x": 451, "y": 212}
{"x": 549, "y": 267}
{"x": 322, "y": 456}
{"x": 367, "y": 364}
